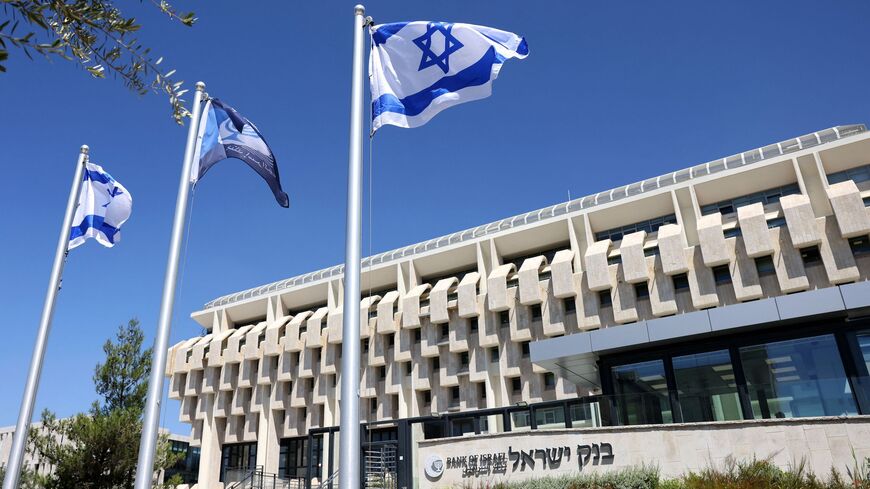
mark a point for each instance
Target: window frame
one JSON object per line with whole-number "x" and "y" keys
{"x": 844, "y": 333}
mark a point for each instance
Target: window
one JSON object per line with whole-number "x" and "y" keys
{"x": 417, "y": 335}
{"x": 521, "y": 420}
{"x": 293, "y": 457}
{"x": 857, "y": 175}
{"x": 860, "y": 245}
{"x": 765, "y": 197}
{"x": 651, "y": 251}
{"x": 681, "y": 281}
{"x": 604, "y": 298}
{"x": 550, "y": 418}
{"x": 585, "y": 415}
{"x": 493, "y": 354}
{"x": 472, "y": 325}
{"x": 436, "y": 363}
{"x": 454, "y": 395}
{"x": 549, "y": 380}
{"x": 641, "y": 393}
{"x": 481, "y": 390}
{"x": 373, "y": 406}
{"x": 517, "y": 385}
{"x": 810, "y": 255}
{"x": 382, "y": 373}
{"x": 569, "y": 305}
{"x": 391, "y": 340}
{"x": 536, "y": 312}
{"x": 863, "y": 338}
{"x": 445, "y": 331}
{"x": 650, "y": 226}
{"x": 548, "y": 253}
{"x": 706, "y": 386}
{"x": 463, "y": 359}
{"x": 409, "y": 368}
{"x": 525, "y": 348}
{"x": 764, "y": 266}
{"x": 722, "y": 275}
{"x": 797, "y": 378}
{"x": 238, "y": 457}
{"x": 732, "y": 232}
{"x": 505, "y": 318}
{"x": 427, "y": 397}
{"x": 614, "y": 260}
{"x": 641, "y": 290}
{"x": 862, "y": 381}
{"x": 776, "y": 222}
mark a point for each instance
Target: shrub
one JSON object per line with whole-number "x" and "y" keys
{"x": 750, "y": 474}
{"x": 642, "y": 477}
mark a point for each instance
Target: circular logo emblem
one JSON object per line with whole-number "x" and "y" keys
{"x": 434, "y": 466}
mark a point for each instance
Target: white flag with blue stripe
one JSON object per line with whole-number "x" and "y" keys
{"x": 104, "y": 205}
{"x": 418, "y": 69}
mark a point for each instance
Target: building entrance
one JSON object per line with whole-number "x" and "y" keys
{"x": 380, "y": 451}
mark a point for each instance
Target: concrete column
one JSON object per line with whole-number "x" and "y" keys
{"x": 210, "y": 454}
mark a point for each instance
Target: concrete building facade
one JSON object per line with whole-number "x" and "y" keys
{"x": 731, "y": 291}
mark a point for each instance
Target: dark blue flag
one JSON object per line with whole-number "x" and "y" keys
{"x": 227, "y": 134}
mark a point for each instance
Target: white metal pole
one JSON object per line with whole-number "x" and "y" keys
{"x": 150, "y": 425}
{"x": 349, "y": 434}
{"x": 22, "y": 429}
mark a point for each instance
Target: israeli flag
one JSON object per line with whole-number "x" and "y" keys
{"x": 104, "y": 206}
{"x": 418, "y": 69}
{"x": 224, "y": 133}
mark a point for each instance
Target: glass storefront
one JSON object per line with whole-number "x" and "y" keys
{"x": 641, "y": 391}
{"x": 797, "y": 378}
{"x": 785, "y": 375}
{"x": 706, "y": 387}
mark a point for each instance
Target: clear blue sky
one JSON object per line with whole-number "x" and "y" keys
{"x": 612, "y": 92}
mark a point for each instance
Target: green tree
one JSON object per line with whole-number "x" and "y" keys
{"x": 96, "y": 35}
{"x": 99, "y": 449}
{"x": 28, "y": 480}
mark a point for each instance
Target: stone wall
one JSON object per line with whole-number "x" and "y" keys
{"x": 821, "y": 442}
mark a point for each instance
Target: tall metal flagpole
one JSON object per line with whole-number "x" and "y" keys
{"x": 148, "y": 442}
{"x": 349, "y": 434}
{"x": 22, "y": 429}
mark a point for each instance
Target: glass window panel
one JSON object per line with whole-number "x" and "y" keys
{"x": 706, "y": 387}
{"x": 585, "y": 415}
{"x": 864, "y": 347}
{"x": 862, "y": 382}
{"x": 797, "y": 378}
{"x": 550, "y": 418}
{"x": 642, "y": 393}
{"x": 521, "y": 420}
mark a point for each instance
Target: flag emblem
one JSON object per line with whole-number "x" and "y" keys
{"x": 104, "y": 206}
{"x": 451, "y": 45}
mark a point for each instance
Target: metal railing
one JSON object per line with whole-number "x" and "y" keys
{"x": 330, "y": 482}
{"x": 258, "y": 478}
{"x": 589, "y": 201}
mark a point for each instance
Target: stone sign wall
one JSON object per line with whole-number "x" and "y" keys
{"x": 468, "y": 461}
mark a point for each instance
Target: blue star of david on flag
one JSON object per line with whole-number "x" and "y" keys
{"x": 104, "y": 206}
{"x": 407, "y": 92}
{"x": 451, "y": 45}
